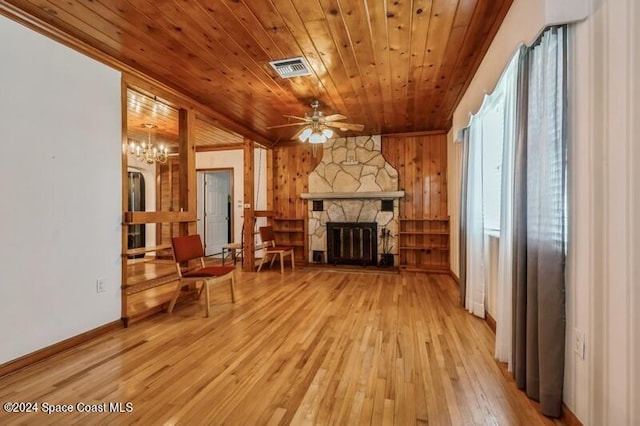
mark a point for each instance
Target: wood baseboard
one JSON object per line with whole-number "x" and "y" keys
{"x": 491, "y": 321}
{"x": 455, "y": 277}
{"x": 569, "y": 418}
{"x": 39, "y": 355}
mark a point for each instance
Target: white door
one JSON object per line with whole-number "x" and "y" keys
{"x": 217, "y": 190}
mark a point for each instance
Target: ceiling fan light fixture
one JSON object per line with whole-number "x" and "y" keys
{"x": 305, "y": 134}
{"x": 327, "y": 133}
{"x": 317, "y": 138}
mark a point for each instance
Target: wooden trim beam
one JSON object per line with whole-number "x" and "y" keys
{"x": 132, "y": 218}
{"x": 39, "y": 355}
{"x": 124, "y": 194}
{"x": 249, "y": 208}
{"x": 187, "y": 160}
{"x": 414, "y": 134}
{"x": 226, "y": 147}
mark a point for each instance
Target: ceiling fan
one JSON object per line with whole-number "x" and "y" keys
{"x": 316, "y": 126}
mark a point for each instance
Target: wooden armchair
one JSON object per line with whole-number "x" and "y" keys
{"x": 189, "y": 248}
{"x": 270, "y": 247}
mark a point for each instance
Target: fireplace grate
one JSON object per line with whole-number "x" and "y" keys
{"x": 352, "y": 243}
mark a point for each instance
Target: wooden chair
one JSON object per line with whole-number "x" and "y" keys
{"x": 270, "y": 247}
{"x": 189, "y": 248}
{"x": 235, "y": 249}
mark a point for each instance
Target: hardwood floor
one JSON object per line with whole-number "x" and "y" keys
{"x": 309, "y": 347}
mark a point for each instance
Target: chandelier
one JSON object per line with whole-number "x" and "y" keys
{"x": 315, "y": 133}
{"x": 145, "y": 151}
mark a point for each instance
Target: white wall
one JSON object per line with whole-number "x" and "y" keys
{"x": 603, "y": 266}
{"x": 235, "y": 159}
{"x": 60, "y": 183}
{"x": 604, "y": 179}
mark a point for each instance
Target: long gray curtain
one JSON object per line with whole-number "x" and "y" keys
{"x": 539, "y": 224}
{"x": 463, "y": 216}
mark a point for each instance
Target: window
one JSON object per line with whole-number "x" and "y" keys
{"x": 492, "y": 142}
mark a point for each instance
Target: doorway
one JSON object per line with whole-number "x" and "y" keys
{"x": 136, "y": 236}
{"x": 215, "y": 221}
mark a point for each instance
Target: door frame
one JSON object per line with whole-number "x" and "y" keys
{"x": 229, "y": 170}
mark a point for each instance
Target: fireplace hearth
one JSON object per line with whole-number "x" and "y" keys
{"x": 352, "y": 243}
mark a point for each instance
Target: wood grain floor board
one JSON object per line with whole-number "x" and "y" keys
{"x": 306, "y": 347}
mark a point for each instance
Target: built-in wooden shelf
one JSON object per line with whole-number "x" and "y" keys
{"x": 424, "y": 244}
{"x": 424, "y": 247}
{"x": 425, "y": 219}
{"x": 291, "y": 232}
{"x": 424, "y": 232}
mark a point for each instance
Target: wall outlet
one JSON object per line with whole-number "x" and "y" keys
{"x": 578, "y": 342}
{"x": 100, "y": 285}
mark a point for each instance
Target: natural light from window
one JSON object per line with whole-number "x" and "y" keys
{"x": 493, "y": 139}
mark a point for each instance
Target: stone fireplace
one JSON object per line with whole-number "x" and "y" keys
{"x": 355, "y": 184}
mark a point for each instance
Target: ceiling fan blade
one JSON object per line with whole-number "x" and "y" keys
{"x": 334, "y": 117}
{"x": 285, "y": 125}
{"x": 346, "y": 126}
{"x": 296, "y": 117}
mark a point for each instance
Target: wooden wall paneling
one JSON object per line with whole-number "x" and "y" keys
{"x": 422, "y": 156}
{"x": 421, "y": 164}
{"x": 270, "y": 179}
{"x": 414, "y": 205}
{"x": 290, "y": 188}
{"x": 249, "y": 207}
{"x": 292, "y": 166}
{"x": 441, "y": 192}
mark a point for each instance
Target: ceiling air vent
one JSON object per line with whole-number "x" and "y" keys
{"x": 294, "y": 67}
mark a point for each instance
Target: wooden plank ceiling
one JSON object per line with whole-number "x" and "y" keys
{"x": 393, "y": 65}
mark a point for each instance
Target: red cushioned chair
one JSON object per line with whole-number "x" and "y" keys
{"x": 189, "y": 248}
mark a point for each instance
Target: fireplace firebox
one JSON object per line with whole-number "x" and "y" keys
{"x": 352, "y": 243}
